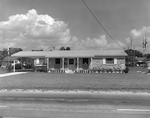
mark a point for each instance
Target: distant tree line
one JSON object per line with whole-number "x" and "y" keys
{"x": 63, "y": 48}
{"x": 131, "y": 59}
{"x": 37, "y": 50}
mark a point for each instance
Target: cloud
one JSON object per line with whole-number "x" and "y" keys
{"x": 40, "y": 30}
{"x": 95, "y": 43}
{"x": 138, "y": 36}
{"x": 137, "y": 33}
{"x": 128, "y": 40}
{"x": 88, "y": 43}
{"x": 114, "y": 45}
{"x": 35, "y": 31}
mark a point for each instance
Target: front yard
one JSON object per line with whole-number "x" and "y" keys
{"x": 32, "y": 80}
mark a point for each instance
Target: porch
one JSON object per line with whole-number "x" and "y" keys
{"x": 64, "y": 64}
{"x": 84, "y": 65}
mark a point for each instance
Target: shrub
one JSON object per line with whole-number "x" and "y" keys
{"x": 126, "y": 69}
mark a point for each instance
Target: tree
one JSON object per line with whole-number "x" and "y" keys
{"x": 62, "y": 48}
{"x": 4, "y": 53}
{"x": 14, "y": 50}
{"x": 68, "y": 48}
{"x": 135, "y": 53}
{"x": 131, "y": 58}
{"x": 147, "y": 56}
{"x": 37, "y": 50}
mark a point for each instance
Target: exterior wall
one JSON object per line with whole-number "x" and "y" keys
{"x": 100, "y": 63}
{"x": 96, "y": 63}
{"x": 65, "y": 63}
{"x": 52, "y": 63}
{"x": 121, "y": 61}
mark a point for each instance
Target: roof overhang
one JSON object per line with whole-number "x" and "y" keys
{"x": 71, "y": 54}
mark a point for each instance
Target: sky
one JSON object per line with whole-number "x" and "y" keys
{"x": 44, "y": 24}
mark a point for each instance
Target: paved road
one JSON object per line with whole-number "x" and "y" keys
{"x": 72, "y": 109}
{"x": 48, "y": 107}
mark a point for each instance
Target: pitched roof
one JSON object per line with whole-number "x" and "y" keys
{"x": 30, "y": 54}
{"x": 70, "y": 53}
{"x": 86, "y": 53}
{"x": 8, "y": 59}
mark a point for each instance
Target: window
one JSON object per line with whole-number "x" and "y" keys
{"x": 37, "y": 61}
{"x": 85, "y": 61}
{"x": 57, "y": 61}
{"x": 109, "y": 60}
{"x": 71, "y": 61}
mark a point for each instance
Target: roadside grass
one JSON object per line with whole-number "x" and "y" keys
{"x": 123, "y": 82}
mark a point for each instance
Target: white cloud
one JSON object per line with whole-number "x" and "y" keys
{"x": 27, "y": 30}
{"x": 128, "y": 40}
{"x": 95, "y": 43}
{"x": 138, "y": 36}
{"x": 137, "y": 33}
{"x": 34, "y": 31}
{"x": 114, "y": 45}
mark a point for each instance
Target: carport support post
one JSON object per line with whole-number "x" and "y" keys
{"x": 14, "y": 66}
{"x": 77, "y": 64}
{"x": 47, "y": 63}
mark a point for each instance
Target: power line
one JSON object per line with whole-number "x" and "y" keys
{"x": 101, "y": 25}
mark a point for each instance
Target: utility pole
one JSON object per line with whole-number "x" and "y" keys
{"x": 134, "y": 56}
{"x": 132, "y": 53}
{"x": 145, "y": 47}
{"x": 8, "y": 50}
{"x": 8, "y": 61}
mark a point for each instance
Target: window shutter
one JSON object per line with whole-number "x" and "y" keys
{"x": 115, "y": 61}
{"x": 104, "y": 61}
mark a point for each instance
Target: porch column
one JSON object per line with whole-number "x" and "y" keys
{"x": 63, "y": 64}
{"x": 77, "y": 64}
{"x": 14, "y": 66}
{"x": 91, "y": 63}
{"x": 47, "y": 63}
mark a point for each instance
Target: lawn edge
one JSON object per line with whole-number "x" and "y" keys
{"x": 57, "y": 91}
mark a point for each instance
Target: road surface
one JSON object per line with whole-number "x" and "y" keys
{"x": 15, "y": 106}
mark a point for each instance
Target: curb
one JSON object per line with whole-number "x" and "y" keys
{"x": 55, "y": 94}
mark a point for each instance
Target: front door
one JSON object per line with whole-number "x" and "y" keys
{"x": 71, "y": 64}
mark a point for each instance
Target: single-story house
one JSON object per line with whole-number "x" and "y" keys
{"x": 75, "y": 60}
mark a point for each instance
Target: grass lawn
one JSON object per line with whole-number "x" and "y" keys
{"x": 2, "y": 71}
{"x": 125, "y": 82}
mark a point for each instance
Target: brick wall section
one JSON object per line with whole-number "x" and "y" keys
{"x": 98, "y": 64}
